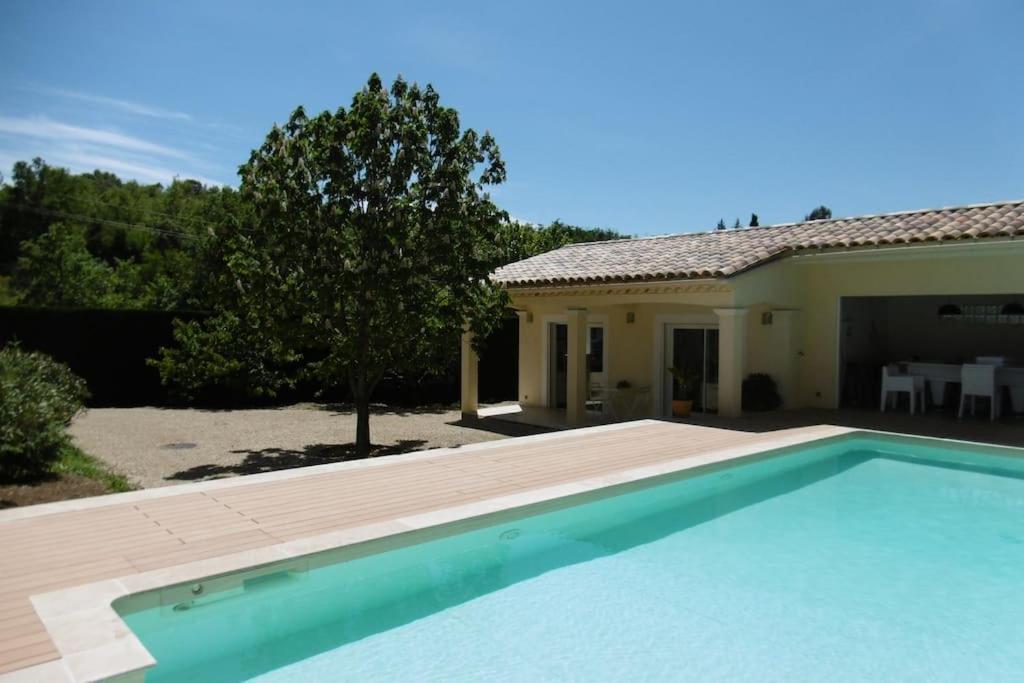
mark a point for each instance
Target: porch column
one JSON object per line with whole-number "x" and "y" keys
{"x": 576, "y": 368}
{"x": 468, "y": 390}
{"x": 732, "y": 355}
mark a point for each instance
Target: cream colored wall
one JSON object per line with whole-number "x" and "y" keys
{"x": 799, "y": 349}
{"x": 630, "y": 346}
{"x": 816, "y": 284}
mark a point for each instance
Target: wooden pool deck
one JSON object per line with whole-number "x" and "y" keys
{"x": 51, "y": 547}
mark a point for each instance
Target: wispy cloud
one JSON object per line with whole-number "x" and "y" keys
{"x": 84, "y": 159}
{"x": 85, "y": 149}
{"x": 43, "y": 128}
{"x": 123, "y": 105}
{"x": 139, "y": 170}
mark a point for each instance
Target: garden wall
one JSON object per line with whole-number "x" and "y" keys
{"x": 109, "y": 348}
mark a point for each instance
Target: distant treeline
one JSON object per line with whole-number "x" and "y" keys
{"x": 93, "y": 240}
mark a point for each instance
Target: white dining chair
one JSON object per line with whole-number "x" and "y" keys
{"x": 895, "y": 383}
{"x": 979, "y": 380}
{"x": 597, "y": 397}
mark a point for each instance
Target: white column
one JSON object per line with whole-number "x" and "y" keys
{"x": 468, "y": 390}
{"x": 732, "y": 356}
{"x": 576, "y": 367}
{"x": 525, "y": 319}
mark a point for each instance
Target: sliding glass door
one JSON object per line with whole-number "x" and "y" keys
{"x": 695, "y": 350}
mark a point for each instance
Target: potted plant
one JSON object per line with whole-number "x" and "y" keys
{"x": 686, "y": 381}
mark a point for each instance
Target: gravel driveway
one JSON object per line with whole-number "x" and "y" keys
{"x": 161, "y": 446}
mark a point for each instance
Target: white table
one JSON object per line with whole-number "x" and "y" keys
{"x": 938, "y": 375}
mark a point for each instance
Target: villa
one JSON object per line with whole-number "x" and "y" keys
{"x": 819, "y": 306}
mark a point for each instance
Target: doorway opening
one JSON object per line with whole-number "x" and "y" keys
{"x": 694, "y": 349}
{"x": 558, "y": 364}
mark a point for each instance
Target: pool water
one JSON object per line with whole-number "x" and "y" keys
{"x": 862, "y": 559}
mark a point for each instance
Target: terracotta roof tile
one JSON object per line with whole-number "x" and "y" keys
{"x": 722, "y": 253}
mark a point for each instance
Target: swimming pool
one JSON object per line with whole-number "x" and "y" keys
{"x": 861, "y": 558}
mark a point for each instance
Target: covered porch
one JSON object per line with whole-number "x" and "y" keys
{"x": 599, "y": 357}
{"x": 938, "y": 341}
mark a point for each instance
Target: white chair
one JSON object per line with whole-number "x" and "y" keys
{"x": 894, "y": 383}
{"x": 597, "y": 398}
{"x": 979, "y": 380}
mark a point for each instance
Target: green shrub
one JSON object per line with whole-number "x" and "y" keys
{"x": 38, "y": 398}
{"x": 760, "y": 392}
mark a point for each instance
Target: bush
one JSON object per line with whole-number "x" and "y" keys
{"x": 38, "y": 398}
{"x": 760, "y": 393}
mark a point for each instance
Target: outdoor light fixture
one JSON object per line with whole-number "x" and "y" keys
{"x": 630, "y": 317}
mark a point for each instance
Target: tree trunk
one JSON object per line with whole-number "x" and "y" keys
{"x": 362, "y": 400}
{"x": 362, "y": 383}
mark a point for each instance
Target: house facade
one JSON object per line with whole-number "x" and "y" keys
{"x": 818, "y": 306}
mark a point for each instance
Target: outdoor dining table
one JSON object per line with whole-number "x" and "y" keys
{"x": 938, "y": 375}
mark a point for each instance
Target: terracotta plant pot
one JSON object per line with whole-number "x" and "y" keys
{"x": 682, "y": 408}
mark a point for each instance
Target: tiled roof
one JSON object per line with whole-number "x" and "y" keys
{"x": 722, "y": 253}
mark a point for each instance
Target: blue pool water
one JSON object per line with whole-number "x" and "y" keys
{"x": 863, "y": 559}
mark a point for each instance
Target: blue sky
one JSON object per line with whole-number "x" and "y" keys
{"x": 644, "y": 117}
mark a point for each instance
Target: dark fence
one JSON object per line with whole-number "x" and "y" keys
{"x": 109, "y": 349}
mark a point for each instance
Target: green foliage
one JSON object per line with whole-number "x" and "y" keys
{"x": 38, "y": 398}
{"x": 7, "y": 295}
{"x": 119, "y": 244}
{"x": 760, "y": 392}
{"x": 518, "y": 240}
{"x": 687, "y": 381}
{"x": 819, "y": 214}
{"x": 56, "y": 269}
{"x": 372, "y": 243}
{"x": 754, "y": 222}
{"x": 720, "y": 225}
{"x": 736, "y": 224}
{"x": 73, "y": 461}
{"x": 233, "y": 351}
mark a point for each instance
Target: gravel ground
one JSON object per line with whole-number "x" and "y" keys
{"x": 160, "y": 446}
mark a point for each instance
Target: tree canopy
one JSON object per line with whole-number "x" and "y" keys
{"x": 819, "y": 214}
{"x": 93, "y": 240}
{"x": 371, "y": 246}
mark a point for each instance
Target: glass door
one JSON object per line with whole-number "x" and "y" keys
{"x": 558, "y": 365}
{"x": 695, "y": 350}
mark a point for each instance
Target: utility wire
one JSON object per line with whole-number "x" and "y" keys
{"x": 92, "y": 219}
{"x": 172, "y": 220}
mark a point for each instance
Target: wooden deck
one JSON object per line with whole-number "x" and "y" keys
{"x": 62, "y": 549}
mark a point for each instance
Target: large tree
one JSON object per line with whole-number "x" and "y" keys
{"x": 370, "y": 249}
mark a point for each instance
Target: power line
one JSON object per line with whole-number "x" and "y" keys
{"x": 117, "y": 224}
{"x": 172, "y": 219}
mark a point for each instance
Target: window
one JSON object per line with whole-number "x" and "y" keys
{"x": 595, "y": 349}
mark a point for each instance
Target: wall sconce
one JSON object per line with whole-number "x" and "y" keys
{"x": 529, "y": 317}
{"x": 630, "y": 317}
{"x": 766, "y": 318}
